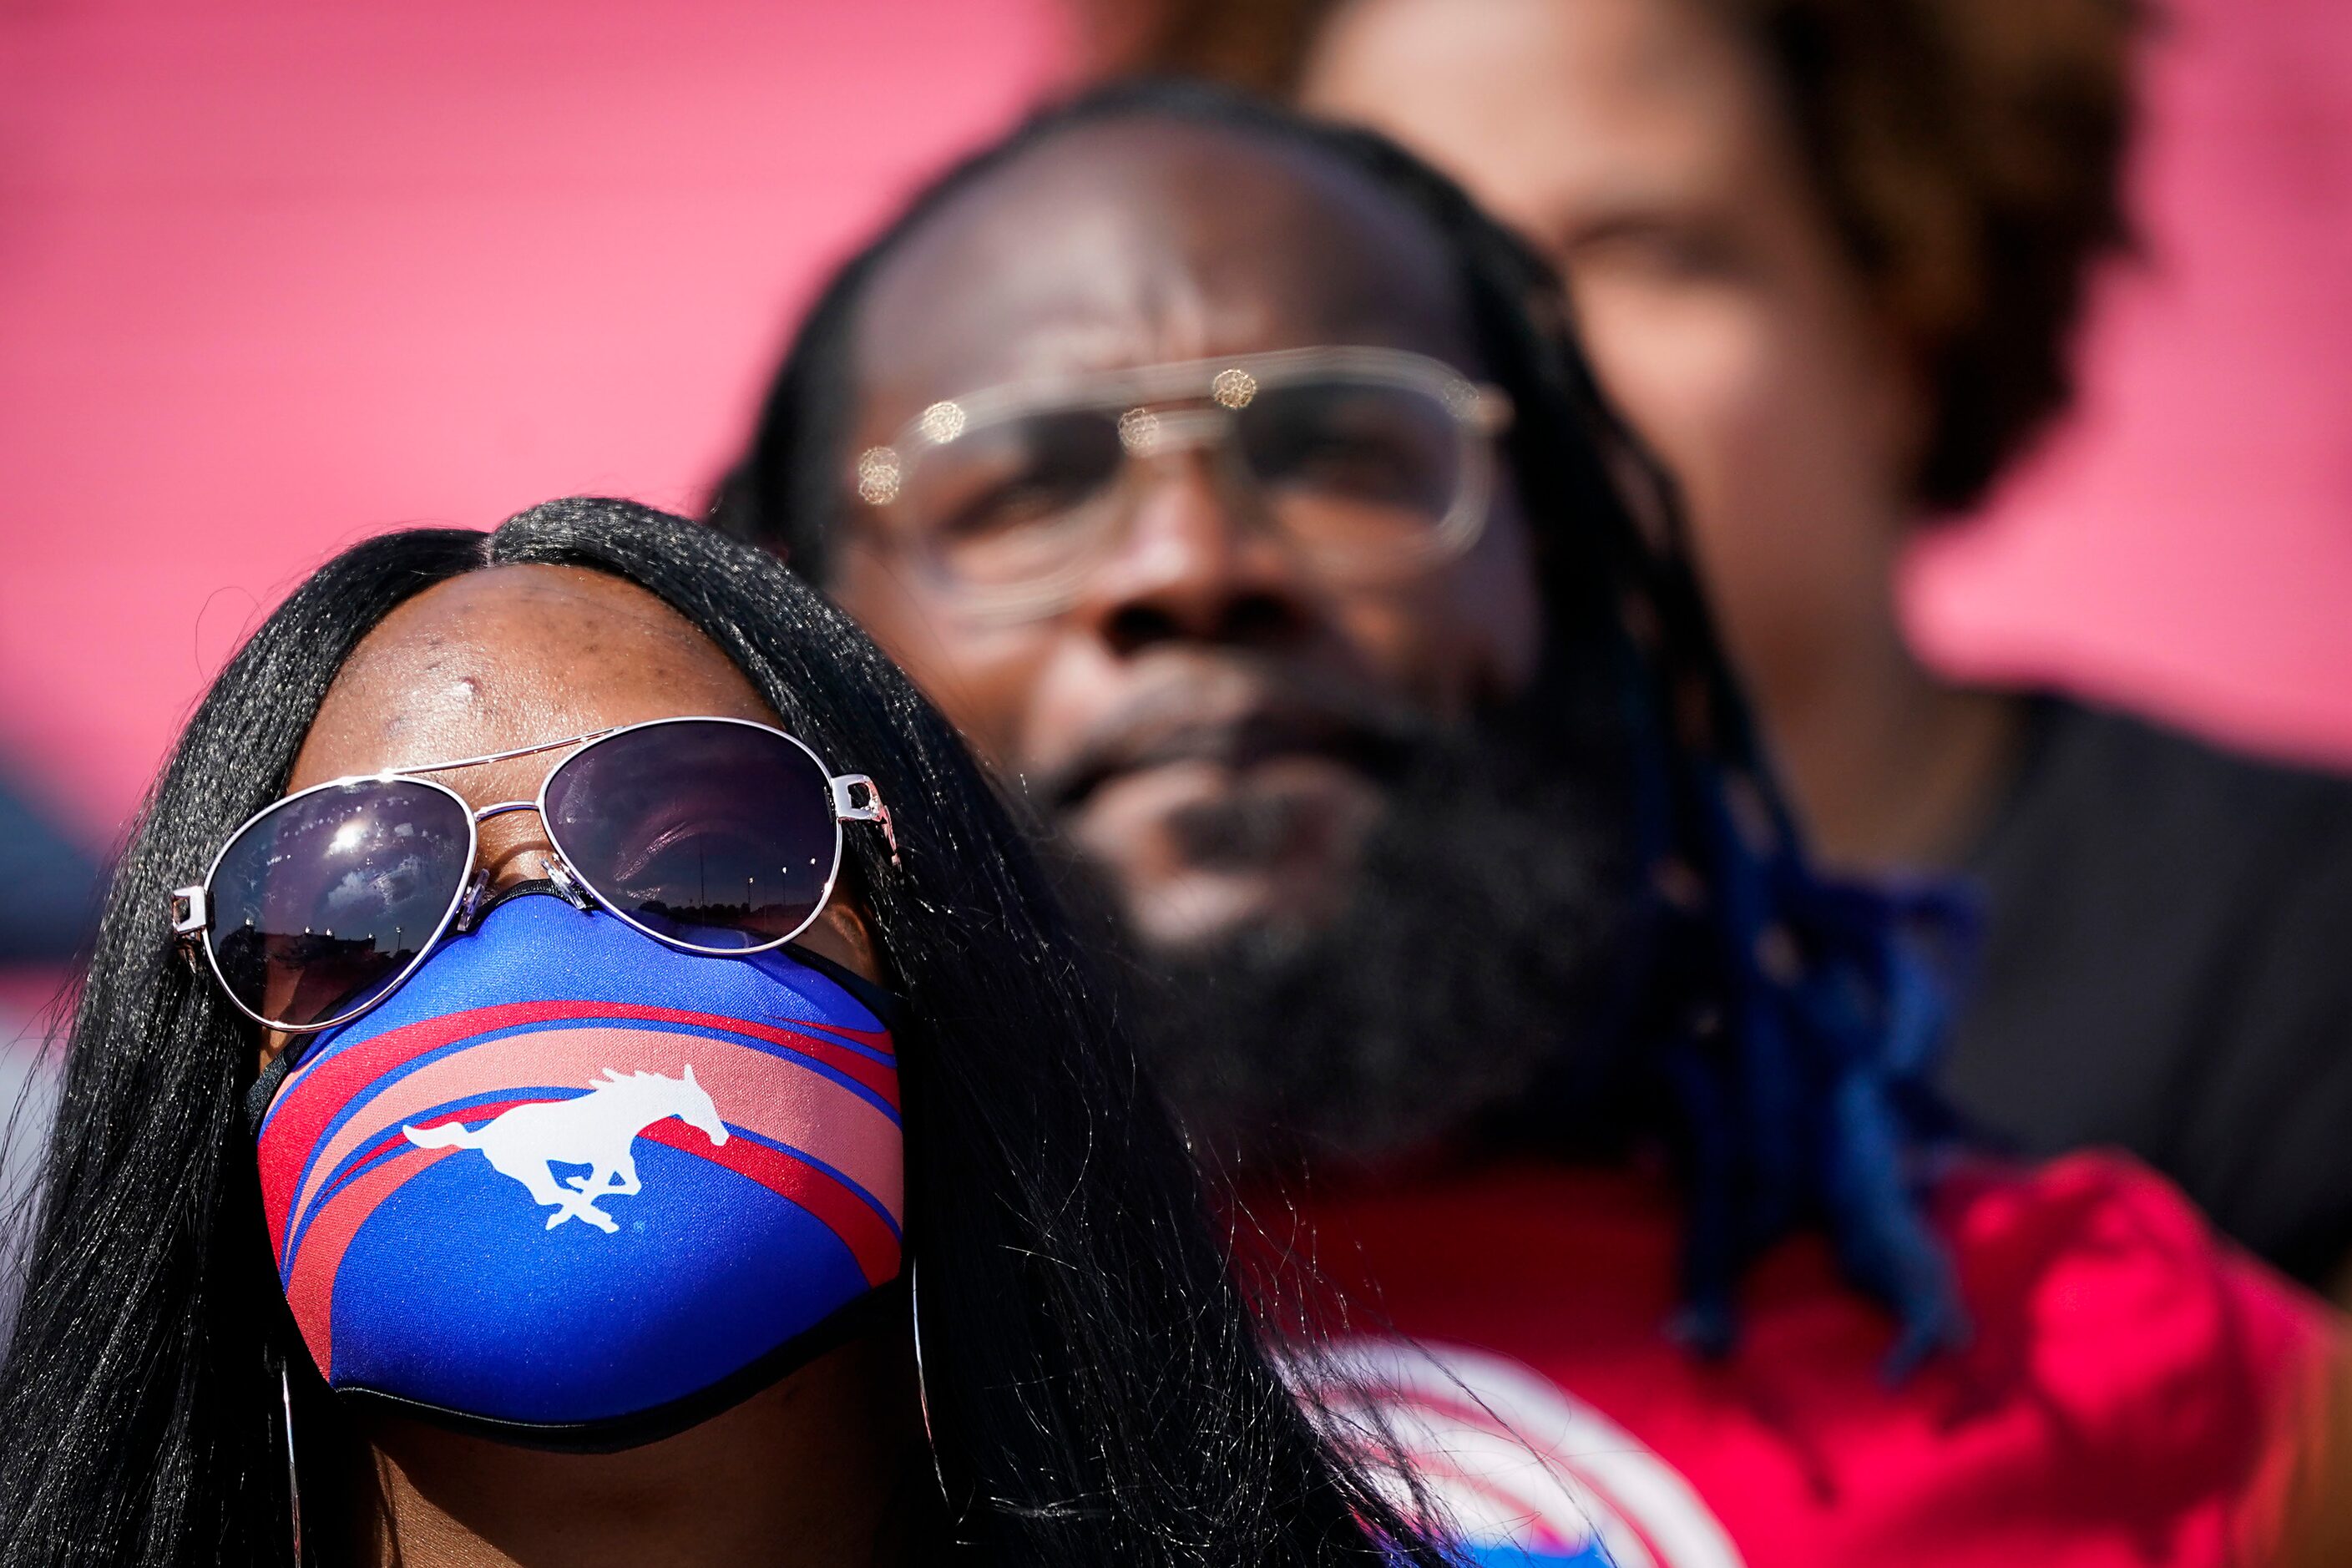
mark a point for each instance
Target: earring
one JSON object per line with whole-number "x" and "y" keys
{"x": 293, "y": 1474}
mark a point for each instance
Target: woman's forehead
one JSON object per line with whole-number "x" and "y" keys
{"x": 512, "y": 656}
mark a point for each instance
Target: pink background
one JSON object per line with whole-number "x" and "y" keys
{"x": 274, "y": 275}
{"x": 2186, "y": 544}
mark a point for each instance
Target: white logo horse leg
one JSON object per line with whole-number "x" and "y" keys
{"x": 617, "y": 1182}
{"x": 577, "y": 1203}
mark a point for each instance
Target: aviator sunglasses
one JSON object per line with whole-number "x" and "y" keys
{"x": 1369, "y": 463}
{"x": 714, "y": 835}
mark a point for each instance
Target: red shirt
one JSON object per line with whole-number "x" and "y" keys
{"x": 2131, "y": 1396}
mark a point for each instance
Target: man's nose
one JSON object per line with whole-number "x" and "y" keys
{"x": 1196, "y": 565}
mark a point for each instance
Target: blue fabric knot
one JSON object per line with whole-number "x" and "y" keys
{"x": 1810, "y": 1100}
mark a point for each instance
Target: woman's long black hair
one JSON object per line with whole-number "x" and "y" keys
{"x": 1097, "y": 1392}
{"x": 1791, "y": 1021}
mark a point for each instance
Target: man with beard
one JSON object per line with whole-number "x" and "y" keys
{"x": 1231, "y": 482}
{"x": 1827, "y": 257}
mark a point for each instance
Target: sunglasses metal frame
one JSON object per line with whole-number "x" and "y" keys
{"x": 191, "y": 906}
{"x": 1480, "y": 411}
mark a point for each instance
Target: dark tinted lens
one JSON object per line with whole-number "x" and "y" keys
{"x": 713, "y": 834}
{"x": 323, "y": 901}
{"x": 1353, "y": 464}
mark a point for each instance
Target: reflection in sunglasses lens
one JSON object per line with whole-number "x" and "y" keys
{"x": 324, "y": 901}
{"x": 712, "y": 833}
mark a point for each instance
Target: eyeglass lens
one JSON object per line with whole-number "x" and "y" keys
{"x": 1344, "y": 465}
{"x": 321, "y": 902}
{"x": 713, "y": 834}
{"x": 1353, "y": 465}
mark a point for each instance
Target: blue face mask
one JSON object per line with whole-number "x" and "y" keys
{"x": 571, "y": 1187}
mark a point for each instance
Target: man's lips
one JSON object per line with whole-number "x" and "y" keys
{"x": 1232, "y": 725}
{"x": 1236, "y": 744}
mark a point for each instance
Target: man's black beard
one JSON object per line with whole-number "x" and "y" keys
{"x": 1473, "y": 980}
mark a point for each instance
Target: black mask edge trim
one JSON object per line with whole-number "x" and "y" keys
{"x": 888, "y": 1006}
{"x": 611, "y": 1434}
{"x": 263, "y": 1089}
{"x": 535, "y": 887}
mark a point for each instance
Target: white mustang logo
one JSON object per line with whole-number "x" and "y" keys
{"x": 596, "y": 1129}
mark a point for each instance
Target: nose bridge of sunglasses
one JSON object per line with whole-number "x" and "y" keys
{"x": 553, "y": 863}
{"x": 509, "y": 851}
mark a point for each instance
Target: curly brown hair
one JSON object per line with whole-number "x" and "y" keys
{"x": 1969, "y": 152}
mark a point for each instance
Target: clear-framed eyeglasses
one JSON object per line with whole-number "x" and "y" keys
{"x": 1370, "y": 463}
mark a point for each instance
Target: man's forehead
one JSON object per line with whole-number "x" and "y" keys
{"x": 1150, "y": 240}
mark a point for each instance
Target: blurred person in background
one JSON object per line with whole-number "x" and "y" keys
{"x": 1239, "y": 490}
{"x": 52, "y": 884}
{"x": 290, "y": 1298}
{"x": 1827, "y": 255}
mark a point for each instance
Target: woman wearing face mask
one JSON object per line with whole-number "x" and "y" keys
{"x": 665, "y": 1154}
